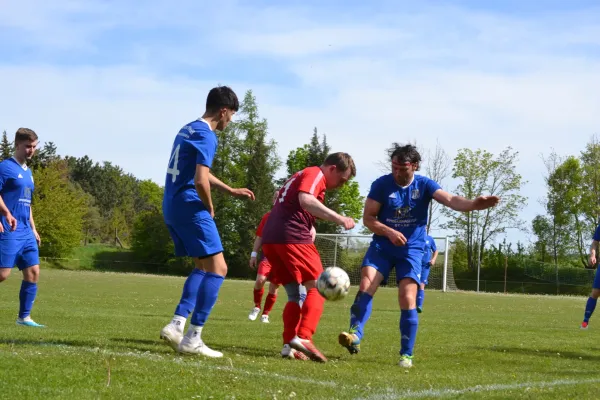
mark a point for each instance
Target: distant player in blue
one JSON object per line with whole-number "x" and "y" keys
{"x": 18, "y": 238}
{"x": 396, "y": 212}
{"x": 593, "y": 299}
{"x": 188, "y": 213}
{"x": 429, "y": 256}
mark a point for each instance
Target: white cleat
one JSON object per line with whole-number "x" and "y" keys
{"x": 254, "y": 313}
{"x": 406, "y": 361}
{"x": 197, "y": 346}
{"x": 171, "y": 336}
{"x": 264, "y": 318}
{"x": 288, "y": 352}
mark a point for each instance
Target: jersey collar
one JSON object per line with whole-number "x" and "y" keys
{"x": 409, "y": 183}
{"x": 24, "y": 166}
{"x": 205, "y": 121}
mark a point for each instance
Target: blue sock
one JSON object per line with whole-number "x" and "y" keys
{"x": 360, "y": 313}
{"x": 190, "y": 293}
{"x": 207, "y": 297}
{"x": 26, "y": 298}
{"x": 409, "y": 322}
{"x": 420, "y": 298}
{"x": 589, "y": 308}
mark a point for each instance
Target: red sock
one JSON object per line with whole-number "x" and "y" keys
{"x": 291, "y": 318}
{"x": 269, "y": 303}
{"x": 311, "y": 314}
{"x": 258, "y": 297}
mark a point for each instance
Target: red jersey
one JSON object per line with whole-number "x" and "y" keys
{"x": 261, "y": 226}
{"x": 289, "y": 222}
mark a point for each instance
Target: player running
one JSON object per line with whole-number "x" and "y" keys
{"x": 288, "y": 245}
{"x": 188, "y": 213}
{"x": 430, "y": 254}
{"x": 396, "y": 212}
{"x": 590, "y": 306}
{"x": 19, "y": 239}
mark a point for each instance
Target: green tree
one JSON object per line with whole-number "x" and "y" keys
{"x": 480, "y": 173}
{"x": 58, "y": 210}
{"x": 150, "y": 239}
{"x": 6, "y": 147}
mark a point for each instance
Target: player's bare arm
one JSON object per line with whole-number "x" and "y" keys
{"x": 32, "y": 223}
{"x": 370, "y": 220}
{"x": 310, "y": 203}
{"x": 593, "y": 248}
{"x": 235, "y": 192}
{"x": 202, "y": 183}
{"x": 313, "y": 233}
{"x": 433, "y": 257}
{"x": 9, "y": 218}
{"x": 459, "y": 203}
{"x": 255, "y": 249}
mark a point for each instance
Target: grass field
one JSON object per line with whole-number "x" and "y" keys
{"x": 102, "y": 342}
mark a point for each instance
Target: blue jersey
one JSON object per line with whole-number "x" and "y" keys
{"x": 403, "y": 209}
{"x": 597, "y": 234}
{"x": 428, "y": 249}
{"x": 16, "y": 189}
{"x": 195, "y": 144}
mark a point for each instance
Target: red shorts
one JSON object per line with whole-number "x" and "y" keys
{"x": 296, "y": 263}
{"x": 264, "y": 267}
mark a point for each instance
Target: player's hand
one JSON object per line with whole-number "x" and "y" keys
{"x": 242, "y": 193}
{"x": 252, "y": 263}
{"x": 592, "y": 261}
{"x": 11, "y": 221}
{"x": 346, "y": 222}
{"x": 397, "y": 238}
{"x": 485, "y": 202}
{"x": 37, "y": 237}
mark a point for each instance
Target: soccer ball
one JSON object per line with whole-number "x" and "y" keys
{"x": 333, "y": 283}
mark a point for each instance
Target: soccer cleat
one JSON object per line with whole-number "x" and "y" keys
{"x": 172, "y": 336}
{"x": 197, "y": 346}
{"x": 419, "y": 310}
{"x": 288, "y": 352}
{"x": 584, "y": 325}
{"x": 264, "y": 318}
{"x": 307, "y": 347}
{"x": 254, "y": 313}
{"x": 350, "y": 341}
{"x": 406, "y": 361}
{"x": 27, "y": 321}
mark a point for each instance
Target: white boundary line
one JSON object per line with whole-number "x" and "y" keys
{"x": 437, "y": 393}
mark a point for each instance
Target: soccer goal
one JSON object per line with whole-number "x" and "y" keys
{"x": 347, "y": 252}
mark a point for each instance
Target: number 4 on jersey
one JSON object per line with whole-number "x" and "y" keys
{"x": 174, "y": 159}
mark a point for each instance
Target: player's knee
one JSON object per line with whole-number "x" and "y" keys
{"x": 2, "y": 275}
{"x": 293, "y": 292}
{"x": 273, "y": 288}
{"x": 595, "y": 293}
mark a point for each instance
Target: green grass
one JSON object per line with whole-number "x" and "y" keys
{"x": 102, "y": 342}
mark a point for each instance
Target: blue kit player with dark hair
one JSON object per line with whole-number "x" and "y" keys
{"x": 590, "y": 306}
{"x": 188, "y": 213}
{"x": 19, "y": 240}
{"x": 396, "y": 212}
{"x": 429, "y": 256}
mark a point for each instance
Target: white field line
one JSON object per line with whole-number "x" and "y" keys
{"x": 438, "y": 393}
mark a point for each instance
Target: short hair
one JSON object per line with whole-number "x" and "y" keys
{"x": 406, "y": 153}
{"x": 25, "y": 135}
{"x": 221, "y": 97}
{"x": 342, "y": 161}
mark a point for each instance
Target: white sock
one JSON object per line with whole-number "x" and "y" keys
{"x": 194, "y": 332}
{"x": 178, "y": 322}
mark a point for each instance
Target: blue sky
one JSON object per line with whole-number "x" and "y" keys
{"x": 116, "y": 80}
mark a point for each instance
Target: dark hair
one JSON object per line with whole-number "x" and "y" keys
{"x": 221, "y": 97}
{"x": 342, "y": 161}
{"x": 406, "y": 153}
{"x": 25, "y": 135}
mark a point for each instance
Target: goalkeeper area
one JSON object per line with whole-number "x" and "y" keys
{"x": 102, "y": 341}
{"x": 347, "y": 252}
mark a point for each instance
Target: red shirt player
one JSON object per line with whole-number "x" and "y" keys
{"x": 288, "y": 244}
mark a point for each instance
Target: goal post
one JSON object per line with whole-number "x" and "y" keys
{"x": 347, "y": 252}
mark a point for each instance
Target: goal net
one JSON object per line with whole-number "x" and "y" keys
{"x": 347, "y": 252}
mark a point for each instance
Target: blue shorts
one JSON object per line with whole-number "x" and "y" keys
{"x": 407, "y": 263}
{"x": 425, "y": 268}
{"x": 23, "y": 253}
{"x": 596, "y": 284}
{"x": 198, "y": 238}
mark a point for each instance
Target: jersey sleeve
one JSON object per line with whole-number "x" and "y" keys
{"x": 206, "y": 147}
{"x": 312, "y": 181}
{"x": 597, "y": 234}
{"x": 261, "y": 226}
{"x": 377, "y": 191}
{"x": 433, "y": 245}
{"x": 3, "y": 175}
{"x": 431, "y": 187}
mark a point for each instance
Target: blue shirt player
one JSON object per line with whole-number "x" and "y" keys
{"x": 18, "y": 238}
{"x": 593, "y": 299}
{"x": 429, "y": 257}
{"x": 396, "y": 212}
{"x": 188, "y": 213}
